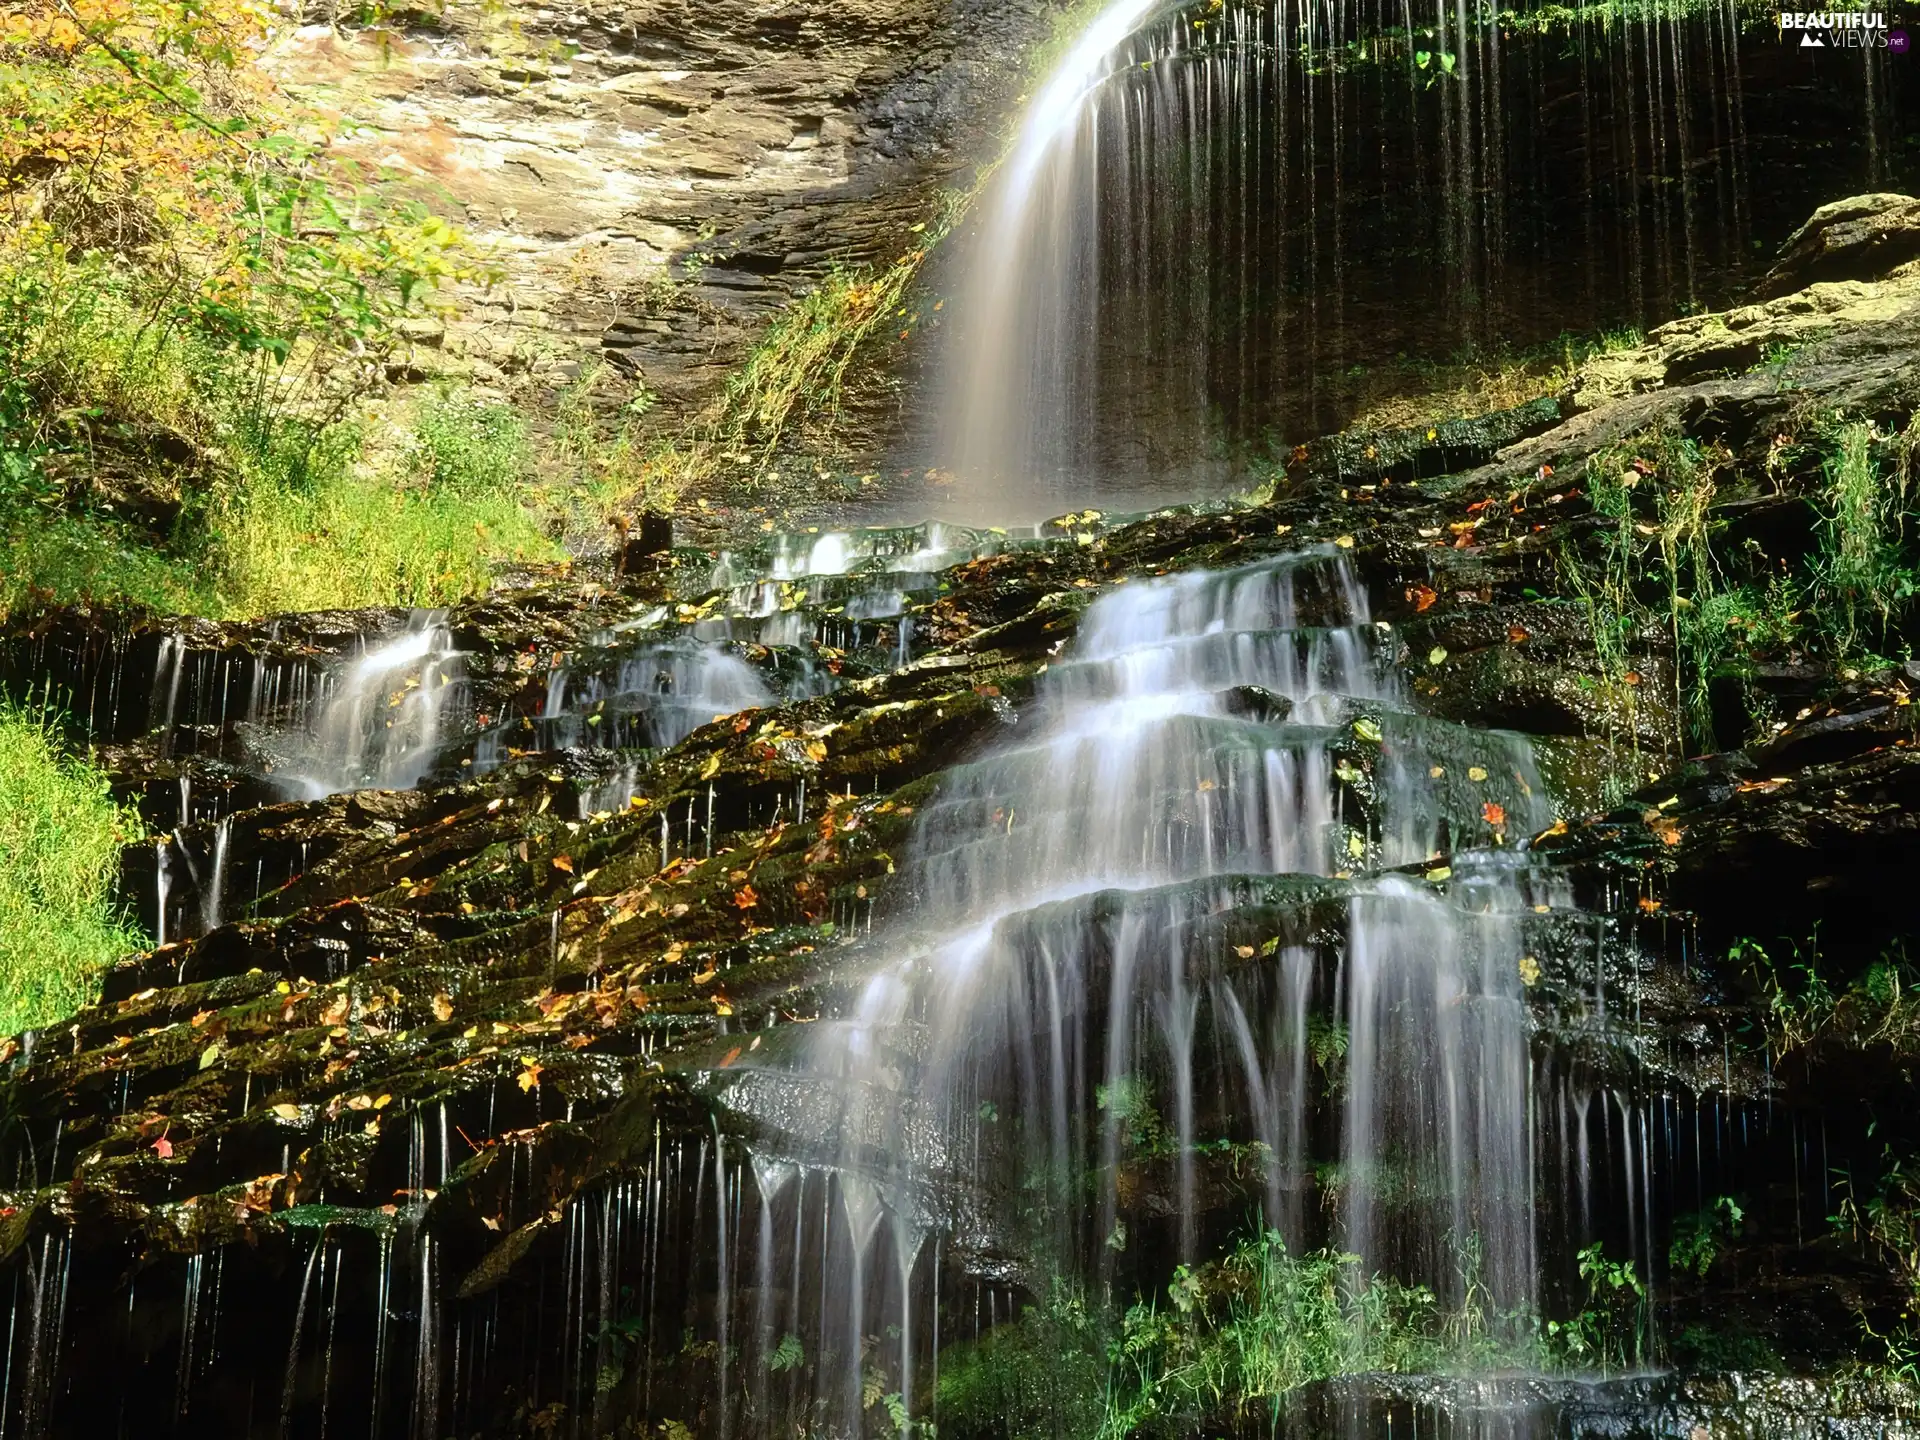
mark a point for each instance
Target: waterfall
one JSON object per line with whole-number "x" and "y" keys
{"x": 1105, "y": 967}
{"x": 1219, "y": 223}
{"x": 379, "y": 724}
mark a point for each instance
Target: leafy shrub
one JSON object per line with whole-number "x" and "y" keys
{"x": 1034, "y": 1378}
{"x": 60, "y": 839}
{"x": 466, "y": 446}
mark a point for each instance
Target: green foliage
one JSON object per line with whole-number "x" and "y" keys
{"x": 1409, "y": 392}
{"x": 316, "y": 529}
{"x": 1611, "y": 1333}
{"x": 465, "y": 446}
{"x": 1039, "y": 1377}
{"x": 1129, "y": 1105}
{"x": 787, "y": 1355}
{"x": 1729, "y": 1347}
{"x": 1327, "y": 1041}
{"x": 1880, "y": 1007}
{"x": 1885, "y": 1219}
{"x": 1861, "y": 571}
{"x": 800, "y": 366}
{"x": 1699, "y": 1238}
{"x": 60, "y": 838}
{"x": 1653, "y": 565}
{"x": 1236, "y": 1336}
{"x": 195, "y": 302}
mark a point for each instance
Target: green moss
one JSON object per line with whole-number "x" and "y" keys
{"x": 60, "y": 838}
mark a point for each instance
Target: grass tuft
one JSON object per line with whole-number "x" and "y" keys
{"x": 60, "y": 838}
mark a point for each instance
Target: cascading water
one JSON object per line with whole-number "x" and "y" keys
{"x": 1218, "y": 754}
{"x": 1218, "y": 224}
{"x": 378, "y": 726}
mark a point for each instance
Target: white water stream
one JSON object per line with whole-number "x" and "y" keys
{"x": 1065, "y": 969}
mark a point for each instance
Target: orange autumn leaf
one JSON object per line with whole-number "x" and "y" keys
{"x": 1421, "y": 597}
{"x": 561, "y": 862}
{"x": 745, "y": 898}
{"x": 1493, "y": 814}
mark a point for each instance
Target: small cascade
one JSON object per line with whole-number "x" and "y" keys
{"x": 647, "y": 698}
{"x": 378, "y": 726}
{"x": 213, "y": 891}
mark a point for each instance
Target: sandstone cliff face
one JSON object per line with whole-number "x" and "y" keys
{"x": 653, "y": 181}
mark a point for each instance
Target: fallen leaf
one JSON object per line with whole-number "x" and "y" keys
{"x": 562, "y": 862}
{"x": 1529, "y": 971}
{"x": 1649, "y": 904}
{"x": 1475, "y": 773}
{"x": 163, "y": 1147}
{"x": 1421, "y": 597}
{"x": 530, "y": 1073}
{"x": 443, "y": 1006}
{"x": 1245, "y": 952}
{"x": 1437, "y": 655}
{"x": 287, "y": 1112}
{"x": 744, "y": 897}
{"x": 1493, "y": 814}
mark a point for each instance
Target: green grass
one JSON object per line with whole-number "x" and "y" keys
{"x": 1232, "y": 1338}
{"x": 285, "y": 504}
{"x": 122, "y": 396}
{"x": 314, "y": 523}
{"x": 60, "y": 839}
{"x": 1407, "y": 393}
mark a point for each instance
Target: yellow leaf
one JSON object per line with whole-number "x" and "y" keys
{"x": 287, "y": 1112}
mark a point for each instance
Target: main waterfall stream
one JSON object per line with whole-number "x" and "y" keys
{"x": 1215, "y": 755}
